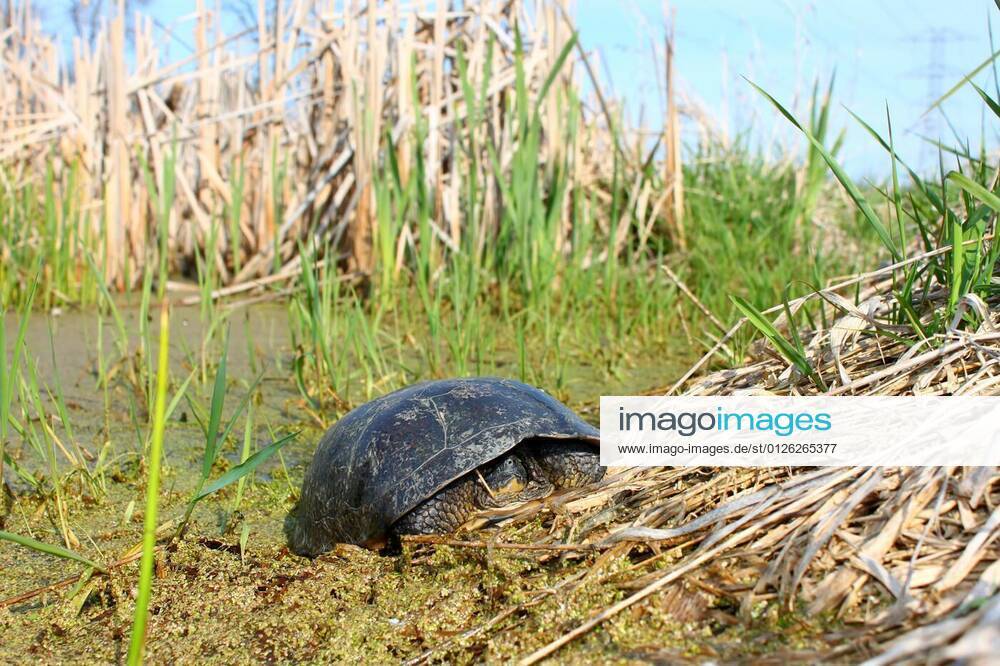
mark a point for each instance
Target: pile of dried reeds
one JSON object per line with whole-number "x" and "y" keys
{"x": 906, "y": 558}
{"x": 863, "y": 352}
{"x": 281, "y": 127}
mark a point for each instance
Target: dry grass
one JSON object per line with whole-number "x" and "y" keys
{"x": 887, "y": 552}
{"x": 905, "y": 560}
{"x": 865, "y": 352}
{"x": 283, "y": 126}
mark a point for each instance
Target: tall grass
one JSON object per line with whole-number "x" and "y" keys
{"x": 951, "y": 217}
{"x": 309, "y": 170}
{"x": 215, "y": 438}
{"x": 10, "y": 375}
{"x": 525, "y": 293}
{"x": 513, "y": 234}
{"x": 138, "y": 639}
{"x": 44, "y": 227}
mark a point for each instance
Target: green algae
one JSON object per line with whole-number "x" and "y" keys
{"x": 215, "y": 602}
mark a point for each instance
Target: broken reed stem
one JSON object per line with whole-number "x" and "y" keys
{"x": 672, "y": 170}
{"x": 694, "y": 299}
{"x": 503, "y": 545}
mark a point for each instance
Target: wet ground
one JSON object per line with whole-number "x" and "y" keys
{"x": 212, "y": 605}
{"x": 217, "y": 601}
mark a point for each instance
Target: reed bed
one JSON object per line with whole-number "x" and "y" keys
{"x": 451, "y": 176}
{"x": 281, "y": 132}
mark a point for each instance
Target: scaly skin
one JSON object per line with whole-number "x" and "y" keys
{"x": 491, "y": 485}
{"x": 566, "y": 464}
{"x": 530, "y": 471}
{"x": 444, "y": 512}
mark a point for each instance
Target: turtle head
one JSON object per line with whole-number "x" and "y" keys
{"x": 505, "y": 479}
{"x": 306, "y": 537}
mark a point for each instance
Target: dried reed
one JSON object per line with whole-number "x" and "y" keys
{"x": 282, "y": 129}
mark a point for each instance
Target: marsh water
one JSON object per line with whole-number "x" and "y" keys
{"x": 69, "y": 349}
{"x": 230, "y": 582}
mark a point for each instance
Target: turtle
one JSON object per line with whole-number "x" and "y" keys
{"x": 424, "y": 459}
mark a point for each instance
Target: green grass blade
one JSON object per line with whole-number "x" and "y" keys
{"x": 179, "y": 394}
{"x": 22, "y": 328}
{"x": 138, "y": 639}
{"x": 242, "y": 406}
{"x": 965, "y": 79}
{"x": 49, "y": 549}
{"x": 215, "y": 414}
{"x": 895, "y": 156}
{"x": 554, "y": 72}
{"x": 244, "y": 456}
{"x": 841, "y": 175}
{"x": 767, "y": 329}
{"x": 239, "y": 471}
{"x": 9, "y": 374}
{"x": 975, "y": 189}
{"x": 6, "y": 384}
{"x": 990, "y": 102}
{"x": 21, "y": 472}
{"x": 896, "y": 198}
{"x": 123, "y": 336}
{"x": 957, "y": 263}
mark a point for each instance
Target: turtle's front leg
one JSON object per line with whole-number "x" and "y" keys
{"x": 567, "y": 464}
{"x": 444, "y": 512}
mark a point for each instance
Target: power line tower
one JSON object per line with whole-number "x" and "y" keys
{"x": 929, "y": 124}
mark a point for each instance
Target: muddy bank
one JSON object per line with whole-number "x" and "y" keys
{"x": 217, "y": 600}
{"x": 213, "y": 603}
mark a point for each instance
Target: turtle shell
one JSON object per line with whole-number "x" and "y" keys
{"x": 389, "y": 455}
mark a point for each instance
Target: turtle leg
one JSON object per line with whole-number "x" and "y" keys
{"x": 540, "y": 485}
{"x": 443, "y": 512}
{"x": 566, "y": 463}
{"x": 505, "y": 480}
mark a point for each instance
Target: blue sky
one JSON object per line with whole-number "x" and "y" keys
{"x": 882, "y": 51}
